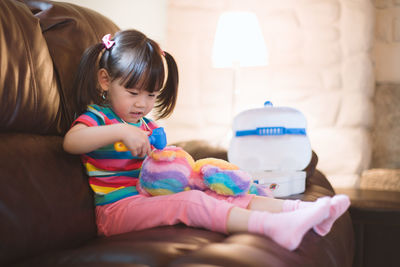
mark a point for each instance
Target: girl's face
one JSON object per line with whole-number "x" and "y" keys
{"x": 128, "y": 103}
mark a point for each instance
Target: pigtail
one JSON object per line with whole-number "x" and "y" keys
{"x": 85, "y": 82}
{"x": 167, "y": 98}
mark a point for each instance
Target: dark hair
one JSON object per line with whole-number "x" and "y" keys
{"x": 137, "y": 61}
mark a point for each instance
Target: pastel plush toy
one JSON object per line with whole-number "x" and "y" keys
{"x": 173, "y": 170}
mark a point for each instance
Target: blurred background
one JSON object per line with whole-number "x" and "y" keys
{"x": 337, "y": 61}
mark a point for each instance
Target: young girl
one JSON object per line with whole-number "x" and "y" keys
{"x": 119, "y": 81}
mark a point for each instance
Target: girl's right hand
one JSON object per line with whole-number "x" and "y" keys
{"x": 136, "y": 140}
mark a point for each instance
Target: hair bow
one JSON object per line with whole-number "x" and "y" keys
{"x": 107, "y": 42}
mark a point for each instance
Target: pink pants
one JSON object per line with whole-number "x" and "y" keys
{"x": 193, "y": 208}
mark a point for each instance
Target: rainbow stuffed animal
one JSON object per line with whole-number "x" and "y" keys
{"x": 173, "y": 170}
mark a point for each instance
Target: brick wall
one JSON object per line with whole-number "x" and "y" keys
{"x": 386, "y": 54}
{"x": 320, "y": 63}
{"x": 386, "y": 50}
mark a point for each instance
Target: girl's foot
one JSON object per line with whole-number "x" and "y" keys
{"x": 288, "y": 228}
{"x": 338, "y": 205}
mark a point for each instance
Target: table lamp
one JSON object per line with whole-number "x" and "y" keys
{"x": 238, "y": 43}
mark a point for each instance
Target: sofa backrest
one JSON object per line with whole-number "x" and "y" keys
{"x": 45, "y": 199}
{"x": 28, "y": 88}
{"x": 68, "y": 30}
{"x": 41, "y": 44}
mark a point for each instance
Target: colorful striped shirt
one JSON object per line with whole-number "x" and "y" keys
{"x": 112, "y": 175}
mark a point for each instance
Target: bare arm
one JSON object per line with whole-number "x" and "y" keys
{"x": 82, "y": 139}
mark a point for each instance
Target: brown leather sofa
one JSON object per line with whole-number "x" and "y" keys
{"x": 46, "y": 206}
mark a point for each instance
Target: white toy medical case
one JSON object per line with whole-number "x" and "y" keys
{"x": 272, "y": 145}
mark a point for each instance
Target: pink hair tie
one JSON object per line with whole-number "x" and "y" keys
{"x": 107, "y": 42}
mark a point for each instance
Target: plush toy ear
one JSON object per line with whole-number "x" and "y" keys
{"x": 220, "y": 163}
{"x": 226, "y": 182}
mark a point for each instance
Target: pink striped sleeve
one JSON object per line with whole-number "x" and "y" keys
{"x": 86, "y": 119}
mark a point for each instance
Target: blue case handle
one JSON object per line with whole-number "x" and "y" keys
{"x": 263, "y": 131}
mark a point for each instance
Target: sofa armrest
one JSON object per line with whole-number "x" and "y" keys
{"x": 376, "y": 221}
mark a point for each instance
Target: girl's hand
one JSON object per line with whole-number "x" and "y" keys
{"x": 136, "y": 140}
{"x": 81, "y": 139}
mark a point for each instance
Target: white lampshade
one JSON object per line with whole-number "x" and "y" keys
{"x": 239, "y": 41}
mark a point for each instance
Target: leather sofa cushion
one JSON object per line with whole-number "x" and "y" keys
{"x": 45, "y": 200}
{"x": 179, "y": 245}
{"x": 29, "y": 99}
